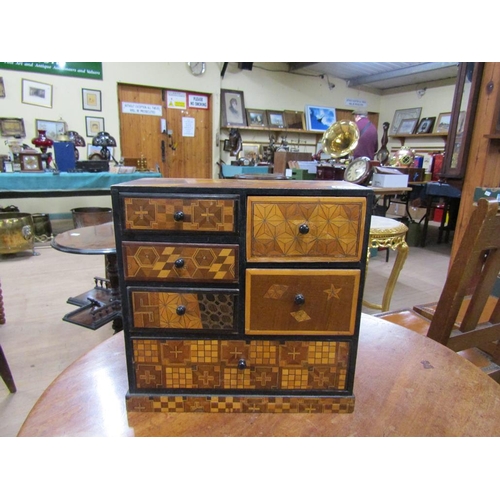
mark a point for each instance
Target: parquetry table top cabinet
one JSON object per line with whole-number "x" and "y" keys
{"x": 241, "y": 295}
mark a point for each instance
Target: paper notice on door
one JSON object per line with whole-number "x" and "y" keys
{"x": 188, "y": 124}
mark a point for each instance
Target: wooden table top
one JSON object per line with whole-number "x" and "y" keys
{"x": 87, "y": 240}
{"x": 405, "y": 385}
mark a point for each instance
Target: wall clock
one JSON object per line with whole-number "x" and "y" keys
{"x": 197, "y": 68}
{"x": 359, "y": 171}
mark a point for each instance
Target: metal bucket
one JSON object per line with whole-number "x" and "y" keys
{"x": 42, "y": 227}
{"x": 16, "y": 232}
{"x": 91, "y": 216}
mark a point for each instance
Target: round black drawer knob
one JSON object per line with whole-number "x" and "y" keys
{"x": 303, "y": 229}
{"x": 242, "y": 364}
{"x": 179, "y": 216}
{"x": 179, "y": 263}
{"x": 181, "y": 310}
{"x": 300, "y": 299}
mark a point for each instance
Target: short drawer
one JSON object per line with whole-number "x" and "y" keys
{"x": 305, "y": 228}
{"x": 180, "y": 262}
{"x": 184, "y": 310}
{"x": 189, "y": 213}
{"x": 301, "y": 301}
{"x": 260, "y": 365}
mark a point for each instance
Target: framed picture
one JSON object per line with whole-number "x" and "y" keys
{"x": 443, "y": 122}
{"x": 30, "y": 162}
{"x": 256, "y": 118}
{"x": 233, "y": 108}
{"x": 426, "y": 125}
{"x": 404, "y": 114}
{"x": 52, "y": 128}
{"x": 250, "y": 151}
{"x": 96, "y": 150}
{"x": 94, "y": 125}
{"x": 7, "y": 167}
{"x": 407, "y": 126}
{"x": 2, "y": 87}
{"x": 276, "y": 119}
{"x": 91, "y": 99}
{"x": 295, "y": 120}
{"x": 10, "y": 127}
{"x": 36, "y": 93}
{"x": 319, "y": 118}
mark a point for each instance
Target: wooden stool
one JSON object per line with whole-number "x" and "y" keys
{"x": 388, "y": 233}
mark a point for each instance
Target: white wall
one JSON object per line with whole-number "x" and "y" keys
{"x": 266, "y": 86}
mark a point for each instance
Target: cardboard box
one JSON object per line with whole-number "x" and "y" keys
{"x": 390, "y": 180}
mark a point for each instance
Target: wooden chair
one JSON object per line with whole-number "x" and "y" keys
{"x": 5, "y": 372}
{"x": 467, "y": 316}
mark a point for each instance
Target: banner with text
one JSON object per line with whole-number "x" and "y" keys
{"x": 92, "y": 70}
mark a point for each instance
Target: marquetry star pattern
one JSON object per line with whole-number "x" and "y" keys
{"x": 333, "y": 229}
{"x": 333, "y": 292}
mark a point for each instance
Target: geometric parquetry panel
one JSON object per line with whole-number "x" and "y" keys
{"x": 240, "y": 404}
{"x": 294, "y": 228}
{"x": 214, "y": 365}
{"x": 157, "y": 261}
{"x": 197, "y": 214}
{"x": 183, "y": 311}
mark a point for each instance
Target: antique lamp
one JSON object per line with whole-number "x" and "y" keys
{"x": 43, "y": 142}
{"x": 77, "y": 140}
{"x": 104, "y": 140}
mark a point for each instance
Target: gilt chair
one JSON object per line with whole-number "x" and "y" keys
{"x": 467, "y": 316}
{"x": 5, "y": 372}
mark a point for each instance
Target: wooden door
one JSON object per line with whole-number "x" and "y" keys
{"x": 189, "y": 132}
{"x": 152, "y": 129}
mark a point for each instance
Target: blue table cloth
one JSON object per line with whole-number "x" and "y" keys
{"x": 25, "y": 183}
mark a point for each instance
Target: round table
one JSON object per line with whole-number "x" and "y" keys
{"x": 405, "y": 385}
{"x": 388, "y": 233}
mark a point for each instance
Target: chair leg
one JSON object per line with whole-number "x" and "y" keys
{"x": 5, "y": 372}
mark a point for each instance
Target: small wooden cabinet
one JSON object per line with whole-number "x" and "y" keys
{"x": 241, "y": 295}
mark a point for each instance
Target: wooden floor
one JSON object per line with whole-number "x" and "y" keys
{"x": 39, "y": 345}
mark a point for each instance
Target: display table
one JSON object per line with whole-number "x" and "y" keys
{"x": 405, "y": 385}
{"x": 47, "y": 184}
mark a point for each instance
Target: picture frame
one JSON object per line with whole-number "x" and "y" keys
{"x": 2, "y": 87}
{"x": 407, "y": 126}
{"x": 232, "y": 108}
{"x": 30, "y": 161}
{"x": 443, "y": 122}
{"x": 94, "y": 125}
{"x": 91, "y": 100}
{"x": 250, "y": 151}
{"x": 426, "y": 125}
{"x": 256, "y": 118}
{"x": 12, "y": 127}
{"x": 52, "y": 128}
{"x": 319, "y": 118}
{"x": 8, "y": 167}
{"x": 36, "y": 93}
{"x": 276, "y": 119}
{"x": 96, "y": 150}
{"x": 404, "y": 114}
{"x": 295, "y": 120}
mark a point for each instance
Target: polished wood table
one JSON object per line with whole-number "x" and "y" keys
{"x": 405, "y": 385}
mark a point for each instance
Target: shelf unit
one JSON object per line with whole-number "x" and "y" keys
{"x": 403, "y": 137}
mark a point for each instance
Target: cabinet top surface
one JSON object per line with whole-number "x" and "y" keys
{"x": 240, "y": 184}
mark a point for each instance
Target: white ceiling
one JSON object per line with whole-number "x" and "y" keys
{"x": 381, "y": 76}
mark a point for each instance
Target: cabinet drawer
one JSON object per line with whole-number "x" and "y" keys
{"x": 180, "y": 262}
{"x": 180, "y": 214}
{"x": 234, "y": 364}
{"x": 305, "y": 228}
{"x": 301, "y": 301}
{"x": 207, "y": 310}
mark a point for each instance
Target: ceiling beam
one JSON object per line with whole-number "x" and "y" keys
{"x": 397, "y": 73}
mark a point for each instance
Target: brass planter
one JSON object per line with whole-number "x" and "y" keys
{"x": 16, "y": 232}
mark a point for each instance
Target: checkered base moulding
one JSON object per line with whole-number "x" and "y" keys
{"x": 240, "y": 404}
